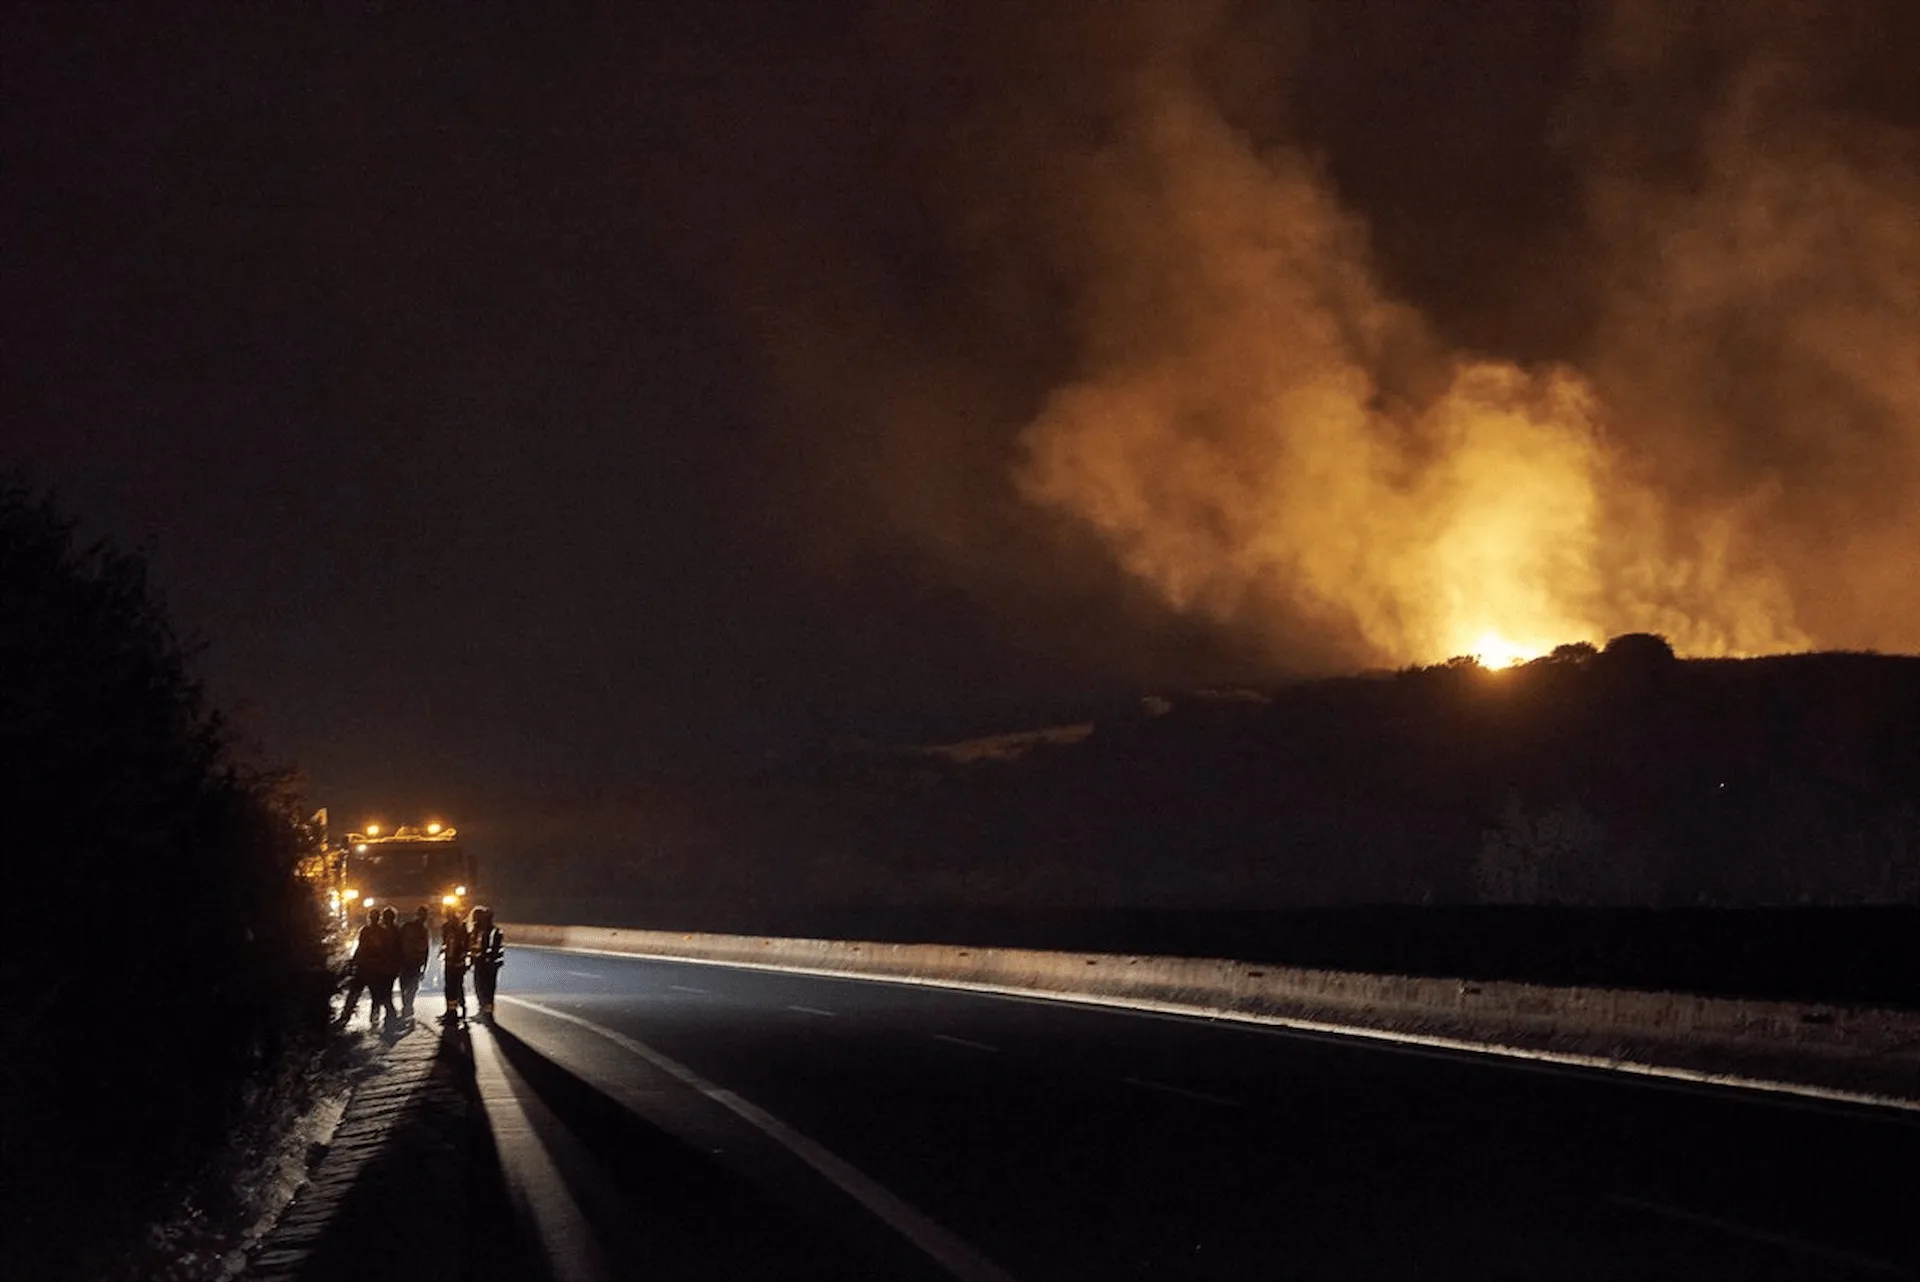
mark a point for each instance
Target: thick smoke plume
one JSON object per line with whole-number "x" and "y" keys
{"x": 1128, "y": 278}
{"x": 1259, "y": 427}
{"x": 1232, "y": 432}
{"x": 1759, "y": 339}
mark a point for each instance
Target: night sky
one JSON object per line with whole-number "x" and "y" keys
{"x": 524, "y": 403}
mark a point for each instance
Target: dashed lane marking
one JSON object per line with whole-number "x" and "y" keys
{"x": 687, "y": 988}
{"x": 952, "y": 1253}
{"x": 1183, "y": 1092}
{"x": 585, "y": 974}
{"x": 813, "y": 1010}
{"x": 1767, "y": 1237}
{"x": 962, "y": 1041}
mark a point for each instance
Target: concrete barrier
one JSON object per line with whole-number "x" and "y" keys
{"x": 1881, "y": 1045}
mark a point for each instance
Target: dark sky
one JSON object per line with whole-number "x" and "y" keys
{"x": 525, "y": 403}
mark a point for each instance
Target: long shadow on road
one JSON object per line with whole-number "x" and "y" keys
{"x": 663, "y": 1208}
{"x": 429, "y": 1203}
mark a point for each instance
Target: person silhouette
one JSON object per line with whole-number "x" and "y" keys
{"x": 487, "y": 952}
{"x": 413, "y": 958}
{"x": 454, "y": 941}
{"x": 356, "y": 973}
{"x": 378, "y": 959}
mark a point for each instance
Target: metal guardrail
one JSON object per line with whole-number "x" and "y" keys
{"x": 1880, "y": 1045}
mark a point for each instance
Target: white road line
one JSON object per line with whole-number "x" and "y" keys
{"x": 686, "y": 988}
{"x": 813, "y": 1010}
{"x": 585, "y": 974}
{"x": 952, "y": 1253}
{"x": 961, "y": 1041}
{"x": 1202, "y": 1096}
{"x": 572, "y": 1253}
{"x": 1766, "y": 1237}
{"x": 1412, "y": 1042}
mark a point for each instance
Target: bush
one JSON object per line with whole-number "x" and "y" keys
{"x": 171, "y": 951}
{"x": 1637, "y": 650}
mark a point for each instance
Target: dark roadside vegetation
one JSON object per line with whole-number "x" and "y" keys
{"x": 1615, "y": 817}
{"x": 163, "y": 961}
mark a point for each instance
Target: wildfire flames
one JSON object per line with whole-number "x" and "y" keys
{"x": 1492, "y": 650}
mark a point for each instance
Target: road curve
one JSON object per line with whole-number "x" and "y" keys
{"x": 681, "y": 1120}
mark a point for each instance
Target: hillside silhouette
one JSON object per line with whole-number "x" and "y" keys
{"x": 1617, "y": 815}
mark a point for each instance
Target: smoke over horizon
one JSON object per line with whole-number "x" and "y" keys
{"x": 1115, "y": 270}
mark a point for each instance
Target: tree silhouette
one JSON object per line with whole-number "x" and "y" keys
{"x": 168, "y": 950}
{"x": 1637, "y": 649}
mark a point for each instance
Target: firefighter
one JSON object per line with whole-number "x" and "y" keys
{"x": 487, "y": 951}
{"x": 356, "y": 974}
{"x": 454, "y": 939}
{"x": 413, "y": 959}
{"x": 378, "y": 959}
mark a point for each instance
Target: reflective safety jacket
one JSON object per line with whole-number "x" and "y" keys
{"x": 489, "y": 947}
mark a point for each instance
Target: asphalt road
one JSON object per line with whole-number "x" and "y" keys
{"x": 679, "y": 1120}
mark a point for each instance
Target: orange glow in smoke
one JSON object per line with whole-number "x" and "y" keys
{"x": 1492, "y": 650}
{"x": 1262, "y": 434}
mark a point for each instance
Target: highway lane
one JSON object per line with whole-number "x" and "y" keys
{"x": 716, "y": 1121}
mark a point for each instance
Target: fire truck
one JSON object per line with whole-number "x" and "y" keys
{"x": 402, "y": 869}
